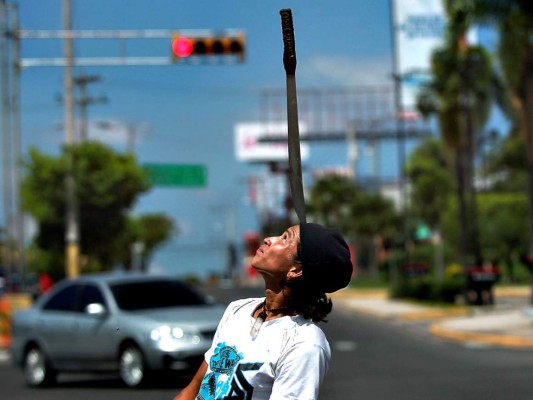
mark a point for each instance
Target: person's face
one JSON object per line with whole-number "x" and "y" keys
{"x": 275, "y": 257}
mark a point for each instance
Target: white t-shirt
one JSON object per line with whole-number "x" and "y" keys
{"x": 288, "y": 358}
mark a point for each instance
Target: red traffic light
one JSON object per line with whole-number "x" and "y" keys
{"x": 216, "y": 45}
{"x": 182, "y": 46}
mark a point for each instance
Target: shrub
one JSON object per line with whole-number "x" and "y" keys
{"x": 425, "y": 289}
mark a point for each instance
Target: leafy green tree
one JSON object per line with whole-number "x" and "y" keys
{"x": 373, "y": 215}
{"x": 330, "y": 202}
{"x": 366, "y": 219}
{"x": 107, "y": 185}
{"x": 431, "y": 190}
{"x": 507, "y": 165}
{"x": 502, "y": 222}
{"x": 431, "y": 181}
{"x": 147, "y": 232}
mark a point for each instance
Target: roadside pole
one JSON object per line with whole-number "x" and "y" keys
{"x": 72, "y": 221}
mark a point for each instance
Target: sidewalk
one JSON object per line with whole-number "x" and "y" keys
{"x": 509, "y": 326}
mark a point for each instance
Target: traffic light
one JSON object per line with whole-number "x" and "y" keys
{"x": 422, "y": 232}
{"x": 184, "y": 47}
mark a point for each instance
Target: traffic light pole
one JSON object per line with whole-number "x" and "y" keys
{"x": 10, "y": 96}
{"x": 122, "y": 35}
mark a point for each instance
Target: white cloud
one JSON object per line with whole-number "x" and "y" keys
{"x": 344, "y": 70}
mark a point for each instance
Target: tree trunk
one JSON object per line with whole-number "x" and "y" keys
{"x": 469, "y": 108}
{"x": 463, "y": 235}
{"x": 471, "y": 203}
{"x": 528, "y": 136}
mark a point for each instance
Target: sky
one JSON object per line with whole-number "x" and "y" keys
{"x": 186, "y": 114}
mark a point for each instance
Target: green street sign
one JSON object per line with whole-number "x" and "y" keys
{"x": 184, "y": 175}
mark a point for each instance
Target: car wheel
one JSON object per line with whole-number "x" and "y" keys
{"x": 133, "y": 370}
{"x": 37, "y": 370}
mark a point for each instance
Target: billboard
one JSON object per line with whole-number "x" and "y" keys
{"x": 419, "y": 28}
{"x": 248, "y": 148}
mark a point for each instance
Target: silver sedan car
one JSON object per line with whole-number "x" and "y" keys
{"x": 130, "y": 323}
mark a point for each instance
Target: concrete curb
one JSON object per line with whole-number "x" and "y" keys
{"x": 485, "y": 338}
{"x": 512, "y": 291}
{"x": 435, "y": 314}
{"x": 388, "y": 309}
{"x": 510, "y": 329}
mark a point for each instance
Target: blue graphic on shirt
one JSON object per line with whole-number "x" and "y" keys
{"x": 225, "y": 359}
{"x": 222, "y": 363}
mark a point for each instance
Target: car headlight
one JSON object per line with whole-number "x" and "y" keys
{"x": 170, "y": 338}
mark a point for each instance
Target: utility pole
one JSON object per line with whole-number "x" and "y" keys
{"x": 84, "y": 101}
{"x": 13, "y": 249}
{"x": 17, "y": 148}
{"x": 72, "y": 229}
{"x": 7, "y": 256}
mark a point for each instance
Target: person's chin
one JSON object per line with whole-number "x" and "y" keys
{"x": 257, "y": 260}
{"x": 258, "y": 268}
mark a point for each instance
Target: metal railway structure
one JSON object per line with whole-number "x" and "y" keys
{"x": 360, "y": 114}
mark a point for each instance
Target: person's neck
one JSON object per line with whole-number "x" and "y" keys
{"x": 276, "y": 304}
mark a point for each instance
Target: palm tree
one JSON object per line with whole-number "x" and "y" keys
{"x": 460, "y": 95}
{"x": 514, "y": 19}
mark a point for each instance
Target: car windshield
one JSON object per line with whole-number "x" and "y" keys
{"x": 133, "y": 296}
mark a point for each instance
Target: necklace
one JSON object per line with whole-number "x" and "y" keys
{"x": 262, "y": 317}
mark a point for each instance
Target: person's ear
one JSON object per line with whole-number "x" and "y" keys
{"x": 295, "y": 272}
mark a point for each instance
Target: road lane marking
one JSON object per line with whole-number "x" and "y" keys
{"x": 344, "y": 345}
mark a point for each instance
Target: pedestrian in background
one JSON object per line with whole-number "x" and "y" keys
{"x": 271, "y": 347}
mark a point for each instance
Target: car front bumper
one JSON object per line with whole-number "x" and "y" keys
{"x": 185, "y": 358}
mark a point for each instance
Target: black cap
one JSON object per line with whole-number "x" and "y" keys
{"x": 326, "y": 261}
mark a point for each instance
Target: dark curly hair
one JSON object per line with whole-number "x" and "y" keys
{"x": 305, "y": 298}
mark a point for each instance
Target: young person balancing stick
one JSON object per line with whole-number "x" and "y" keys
{"x": 271, "y": 348}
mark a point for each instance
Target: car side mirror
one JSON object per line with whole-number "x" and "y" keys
{"x": 96, "y": 309}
